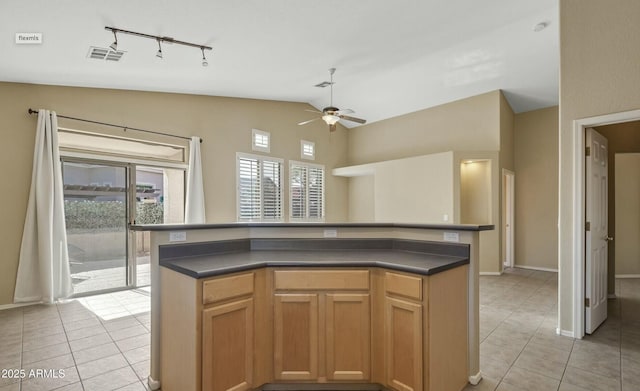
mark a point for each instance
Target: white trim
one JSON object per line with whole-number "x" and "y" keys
{"x": 475, "y": 379}
{"x": 490, "y": 273}
{"x": 122, "y": 159}
{"x": 257, "y": 147}
{"x": 627, "y": 275}
{"x": 542, "y": 269}
{"x": 304, "y": 143}
{"x": 17, "y": 305}
{"x": 153, "y": 384}
{"x": 564, "y": 333}
{"x": 577, "y": 233}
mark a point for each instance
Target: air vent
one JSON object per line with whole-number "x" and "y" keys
{"x": 105, "y": 54}
{"x": 323, "y": 84}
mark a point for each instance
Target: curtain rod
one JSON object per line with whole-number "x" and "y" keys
{"x": 125, "y": 128}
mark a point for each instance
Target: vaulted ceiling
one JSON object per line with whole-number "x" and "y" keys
{"x": 392, "y": 57}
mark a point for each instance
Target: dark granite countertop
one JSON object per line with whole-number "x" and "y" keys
{"x": 218, "y": 264}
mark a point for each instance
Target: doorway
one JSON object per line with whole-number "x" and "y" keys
{"x": 578, "y": 213}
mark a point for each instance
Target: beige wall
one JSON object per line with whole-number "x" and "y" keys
{"x": 536, "y": 188}
{"x": 475, "y": 192}
{"x": 362, "y": 198}
{"x": 224, "y": 123}
{"x": 627, "y": 216}
{"x": 599, "y": 75}
{"x": 415, "y": 190}
{"x": 471, "y": 124}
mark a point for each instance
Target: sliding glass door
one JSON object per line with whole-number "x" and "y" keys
{"x": 96, "y": 199}
{"x": 100, "y": 199}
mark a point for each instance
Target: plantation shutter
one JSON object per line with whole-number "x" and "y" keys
{"x": 306, "y": 191}
{"x": 272, "y": 190}
{"x": 316, "y": 192}
{"x": 259, "y": 189}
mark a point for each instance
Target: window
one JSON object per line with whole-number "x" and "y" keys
{"x": 260, "y": 141}
{"x": 307, "y": 150}
{"x": 306, "y": 189}
{"x": 259, "y": 188}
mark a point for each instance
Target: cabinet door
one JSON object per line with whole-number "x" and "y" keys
{"x": 403, "y": 344}
{"x": 348, "y": 343}
{"x": 296, "y": 336}
{"x": 227, "y": 346}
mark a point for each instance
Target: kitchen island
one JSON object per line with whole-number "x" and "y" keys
{"x": 367, "y": 305}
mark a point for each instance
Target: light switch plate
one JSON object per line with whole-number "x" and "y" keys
{"x": 178, "y": 236}
{"x": 451, "y": 237}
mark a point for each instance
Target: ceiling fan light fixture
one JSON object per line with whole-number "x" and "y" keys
{"x": 330, "y": 119}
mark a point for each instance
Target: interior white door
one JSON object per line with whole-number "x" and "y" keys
{"x": 597, "y": 234}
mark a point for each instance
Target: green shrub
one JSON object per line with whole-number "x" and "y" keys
{"x": 108, "y": 215}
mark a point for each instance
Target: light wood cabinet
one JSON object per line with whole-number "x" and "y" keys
{"x": 286, "y": 325}
{"x": 322, "y": 322}
{"x": 348, "y": 336}
{"x": 296, "y": 336}
{"x": 227, "y": 346}
{"x": 403, "y": 344}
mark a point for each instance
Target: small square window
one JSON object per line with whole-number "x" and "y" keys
{"x": 260, "y": 140}
{"x": 307, "y": 150}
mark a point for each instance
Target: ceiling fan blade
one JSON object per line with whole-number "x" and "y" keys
{"x": 313, "y": 111}
{"x": 332, "y": 128}
{"x": 353, "y": 119}
{"x": 345, "y": 111}
{"x": 306, "y": 122}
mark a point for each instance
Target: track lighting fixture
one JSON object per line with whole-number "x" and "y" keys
{"x": 160, "y": 40}
{"x": 114, "y": 45}
{"x": 204, "y": 59}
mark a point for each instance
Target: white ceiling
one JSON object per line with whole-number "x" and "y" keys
{"x": 392, "y": 57}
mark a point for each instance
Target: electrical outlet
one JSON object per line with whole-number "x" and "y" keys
{"x": 445, "y": 217}
{"x": 178, "y": 236}
{"x": 330, "y": 233}
{"x": 451, "y": 237}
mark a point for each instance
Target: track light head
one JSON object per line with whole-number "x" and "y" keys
{"x": 159, "y": 54}
{"x": 114, "y": 45}
{"x": 204, "y": 59}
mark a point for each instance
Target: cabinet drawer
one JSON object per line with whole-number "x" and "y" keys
{"x": 322, "y": 279}
{"x": 227, "y": 287}
{"x": 403, "y": 285}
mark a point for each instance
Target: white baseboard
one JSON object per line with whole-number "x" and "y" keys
{"x": 627, "y": 275}
{"x": 564, "y": 333}
{"x": 10, "y": 306}
{"x": 475, "y": 379}
{"x": 490, "y": 273}
{"x": 153, "y": 384}
{"x": 542, "y": 269}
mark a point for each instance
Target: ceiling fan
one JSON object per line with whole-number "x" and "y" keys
{"x": 331, "y": 115}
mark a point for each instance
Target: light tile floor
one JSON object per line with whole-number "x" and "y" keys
{"x": 93, "y": 343}
{"x": 520, "y": 350}
{"x": 102, "y": 342}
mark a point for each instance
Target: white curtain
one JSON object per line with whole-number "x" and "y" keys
{"x": 43, "y": 269}
{"x": 194, "y": 208}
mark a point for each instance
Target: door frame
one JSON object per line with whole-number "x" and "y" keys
{"x": 508, "y": 216}
{"x": 578, "y": 222}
